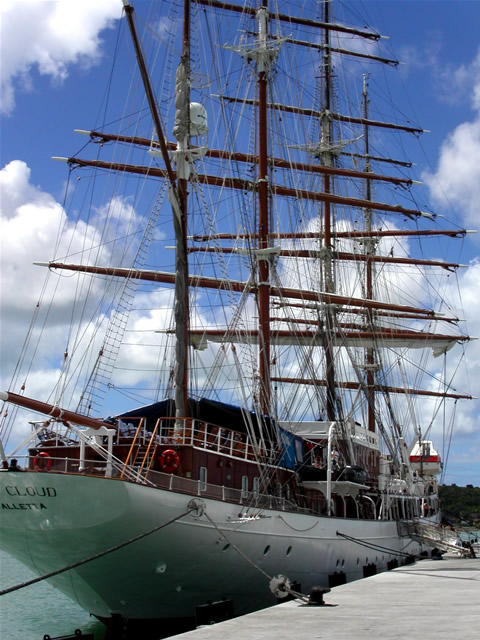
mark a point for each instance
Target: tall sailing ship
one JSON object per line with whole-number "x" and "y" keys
{"x": 267, "y": 377}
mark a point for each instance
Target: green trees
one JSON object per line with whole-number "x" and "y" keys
{"x": 461, "y": 504}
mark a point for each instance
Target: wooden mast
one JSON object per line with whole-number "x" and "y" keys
{"x": 149, "y": 92}
{"x": 326, "y": 131}
{"x": 263, "y": 219}
{"x": 53, "y": 411}
{"x": 181, "y": 261}
{"x": 369, "y": 250}
{"x": 178, "y": 200}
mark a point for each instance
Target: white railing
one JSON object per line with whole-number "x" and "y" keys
{"x": 201, "y": 435}
{"x": 160, "y": 480}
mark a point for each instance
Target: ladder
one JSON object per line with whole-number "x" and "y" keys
{"x": 438, "y": 536}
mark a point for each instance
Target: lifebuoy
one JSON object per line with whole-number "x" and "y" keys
{"x": 169, "y": 460}
{"x": 42, "y": 461}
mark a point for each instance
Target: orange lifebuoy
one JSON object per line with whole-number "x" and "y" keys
{"x": 169, "y": 460}
{"x": 42, "y": 461}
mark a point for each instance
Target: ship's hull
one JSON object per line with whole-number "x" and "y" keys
{"x": 51, "y": 520}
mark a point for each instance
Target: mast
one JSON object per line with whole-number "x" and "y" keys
{"x": 53, "y": 411}
{"x": 326, "y": 135}
{"x": 263, "y": 219}
{"x": 177, "y": 195}
{"x": 181, "y": 131}
{"x": 369, "y": 251}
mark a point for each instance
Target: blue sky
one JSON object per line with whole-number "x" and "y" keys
{"x": 53, "y": 74}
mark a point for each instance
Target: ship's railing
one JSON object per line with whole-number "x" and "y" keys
{"x": 199, "y": 434}
{"x": 247, "y": 499}
{"x": 106, "y": 467}
{"x": 170, "y": 482}
{"x": 53, "y": 430}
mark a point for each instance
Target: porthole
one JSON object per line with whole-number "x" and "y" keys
{"x": 358, "y": 560}
{"x": 289, "y": 550}
{"x": 338, "y": 562}
{"x": 343, "y": 562}
{"x": 227, "y": 546}
{"x": 266, "y": 550}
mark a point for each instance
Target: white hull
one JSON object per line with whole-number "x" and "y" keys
{"x": 186, "y": 564}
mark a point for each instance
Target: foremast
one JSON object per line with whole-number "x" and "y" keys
{"x": 327, "y": 261}
{"x": 177, "y": 194}
{"x": 181, "y": 131}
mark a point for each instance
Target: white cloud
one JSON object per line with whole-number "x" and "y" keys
{"x": 49, "y": 37}
{"x": 455, "y": 84}
{"x": 456, "y": 181}
{"x": 35, "y": 227}
{"x": 455, "y": 185}
{"x": 31, "y": 220}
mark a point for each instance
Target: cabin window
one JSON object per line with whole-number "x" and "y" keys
{"x": 244, "y": 486}
{"x": 255, "y": 486}
{"x": 278, "y": 490}
{"x": 203, "y": 478}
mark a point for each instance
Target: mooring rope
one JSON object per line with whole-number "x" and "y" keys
{"x": 376, "y": 547}
{"x": 295, "y": 594}
{"x": 95, "y": 556}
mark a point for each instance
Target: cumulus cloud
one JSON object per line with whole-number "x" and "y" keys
{"x": 49, "y": 37}
{"x": 31, "y": 221}
{"x": 36, "y": 227}
{"x": 456, "y": 180}
{"x": 462, "y": 83}
{"x": 455, "y": 184}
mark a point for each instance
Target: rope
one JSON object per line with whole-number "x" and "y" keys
{"x": 375, "y": 547}
{"x": 294, "y": 528}
{"x": 295, "y": 594}
{"x": 94, "y": 557}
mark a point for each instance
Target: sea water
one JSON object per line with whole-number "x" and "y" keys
{"x": 32, "y": 612}
{"x": 470, "y": 536}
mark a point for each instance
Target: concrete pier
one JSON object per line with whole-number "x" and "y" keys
{"x": 433, "y": 599}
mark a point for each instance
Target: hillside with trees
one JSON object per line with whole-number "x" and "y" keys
{"x": 461, "y": 505}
